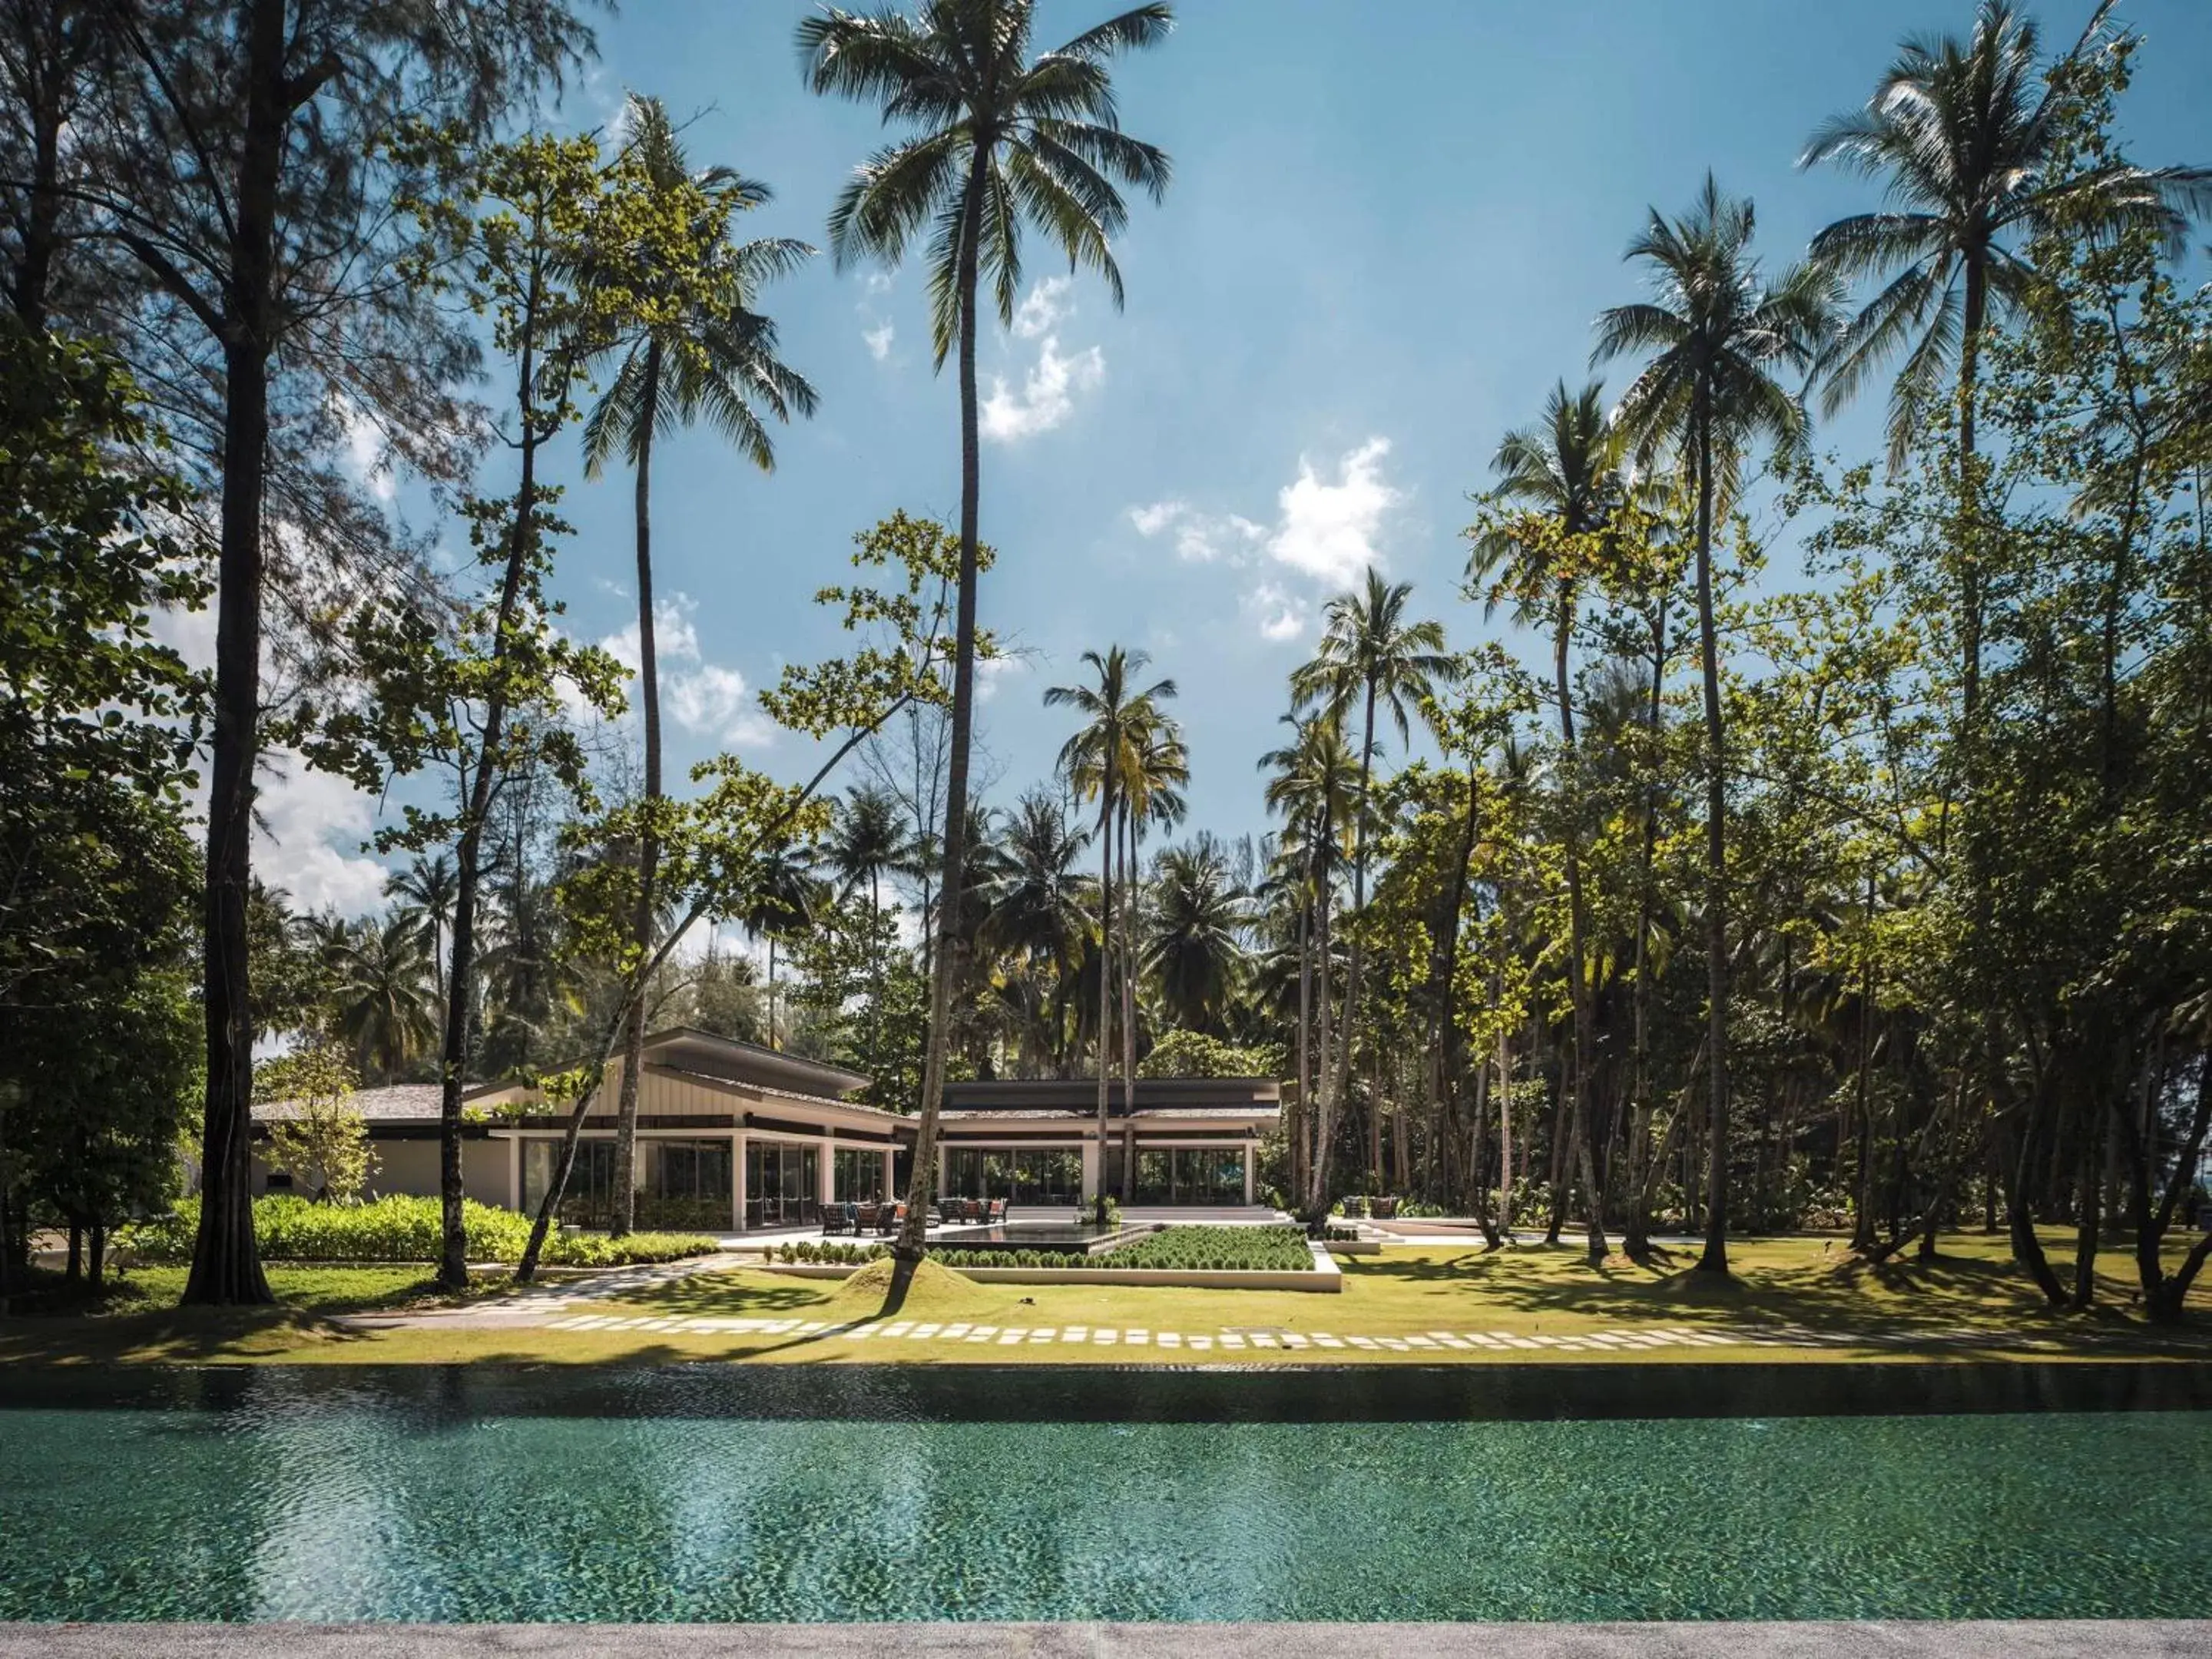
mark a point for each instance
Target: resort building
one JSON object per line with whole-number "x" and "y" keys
{"x": 734, "y": 1137}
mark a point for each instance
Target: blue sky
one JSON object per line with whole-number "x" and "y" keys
{"x": 1380, "y": 250}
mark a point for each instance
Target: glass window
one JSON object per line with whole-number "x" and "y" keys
{"x": 588, "y": 1199}
{"x": 782, "y": 1184}
{"x": 686, "y": 1185}
{"x": 858, "y": 1176}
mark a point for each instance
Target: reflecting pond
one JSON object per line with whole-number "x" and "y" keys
{"x": 726, "y": 1494}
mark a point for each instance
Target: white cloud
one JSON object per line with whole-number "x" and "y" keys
{"x": 1281, "y": 616}
{"x": 877, "y": 282}
{"x": 1042, "y": 308}
{"x": 1151, "y": 520}
{"x": 364, "y": 458}
{"x": 312, "y": 827}
{"x": 1328, "y": 531}
{"x": 879, "y": 340}
{"x": 990, "y": 671}
{"x": 1200, "y": 538}
{"x": 1048, "y": 395}
{"x": 702, "y": 697}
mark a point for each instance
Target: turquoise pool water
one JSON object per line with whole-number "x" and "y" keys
{"x": 326, "y": 1499}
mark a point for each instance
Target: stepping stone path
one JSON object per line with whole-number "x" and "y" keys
{"x": 585, "y": 1305}
{"x": 1242, "y": 1342}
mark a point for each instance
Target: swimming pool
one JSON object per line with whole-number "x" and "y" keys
{"x": 882, "y": 1493}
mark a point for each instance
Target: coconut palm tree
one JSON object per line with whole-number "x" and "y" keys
{"x": 787, "y": 897}
{"x": 383, "y": 999}
{"x": 429, "y": 885}
{"x": 1037, "y": 902}
{"x": 1196, "y": 949}
{"x": 1566, "y": 468}
{"x": 1964, "y": 136}
{"x": 693, "y": 347}
{"x": 1369, "y": 656}
{"x": 1315, "y": 785}
{"x": 1005, "y": 142}
{"x": 1717, "y": 330}
{"x": 1152, "y": 794}
{"x": 1099, "y": 760}
{"x": 867, "y": 843}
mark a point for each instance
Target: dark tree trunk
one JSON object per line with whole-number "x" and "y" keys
{"x": 624, "y": 1216}
{"x": 1105, "y": 981}
{"x": 946, "y": 966}
{"x": 1715, "y": 1257}
{"x": 1589, "y": 1137}
{"x": 226, "y": 1265}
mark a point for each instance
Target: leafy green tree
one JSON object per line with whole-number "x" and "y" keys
{"x": 1103, "y": 758}
{"x": 473, "y": 684}
{"x": 1370, "y": 656}
{"x": 1195, "y": 950}
{"x": 1716, "y": 332}
{"x": 383, "y": 1002}
{"x": 426, "y": 887}
{"x": 98, "y": 720}
{"x": 1559, "y": 485}
{"x": 245, "y": 173}
{"x": 1006, "y": 141}
{"x": 1964, "y": 136}
{"x": 687, "y": 344}
{"x": 1315, "y": 784}
{"x": 319, "y": 1139}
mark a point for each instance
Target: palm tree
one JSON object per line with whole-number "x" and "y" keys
{"x": 1369, "y": 656}
{"x": 1099, "y": 760}
{"x": 1196, "y": 950}
{"x": 385, "y": 1010}
{"x": 785, "y": 898}
{"x": 1151, "y": 794}
{"x": 694, "y": 346}
{"x": 1717, "y": 331}
{"x": 1004, "y": 141}
{"x": 867, "y": 843}
{"x": 1566, "y": 468}
{"x": 1315, "y": 785}
{"x": 428, "y": 886}
{"x": 1965, "y": 136}
{"x": 1036, "y": 901}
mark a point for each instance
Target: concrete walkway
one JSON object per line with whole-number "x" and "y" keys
{"x": 2116, "y": 1639}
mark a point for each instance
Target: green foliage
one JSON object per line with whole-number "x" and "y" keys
{"x": 322, "y": 1142}
{"x": 1186, "y": 1249}
{"x": 1194, "y": 1053}
{"x": 400, "y": 1229}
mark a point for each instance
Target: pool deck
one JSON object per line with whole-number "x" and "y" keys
{"x": 2113, "y": 1639}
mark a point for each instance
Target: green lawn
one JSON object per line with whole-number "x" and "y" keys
{"x": 1526, "y": 1290}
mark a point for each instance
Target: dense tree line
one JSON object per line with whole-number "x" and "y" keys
{"x": 1868, "y": 894}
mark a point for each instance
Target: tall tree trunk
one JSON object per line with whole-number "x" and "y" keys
{"x": 1862, "y": 1227}
{"x": 945, "y": 967}
{"x": 1105, "y": 981}
{"x": 1591, "y": 1134}
{"x": 1129, "y": 999}
{"x": 624, "y": 1215}
{"x": 1506, "y": 1130}
{"x": 1318, "y": 1196}
{"x": 226, "y": 1264}
{"x": 1715, "y": 1258}
{"x": 1302, "y": 1100}
{"x": 1356, "y": 961}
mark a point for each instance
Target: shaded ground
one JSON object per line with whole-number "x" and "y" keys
{"x": 1969, "y": 1303}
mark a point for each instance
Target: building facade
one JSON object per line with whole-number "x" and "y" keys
{"x": 736, "y": 1138}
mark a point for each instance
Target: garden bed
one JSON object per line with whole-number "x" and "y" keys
{"x": 1209, "y": 1258}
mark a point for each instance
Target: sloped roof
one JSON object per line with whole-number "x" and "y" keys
{"x": 394, "y": 1103}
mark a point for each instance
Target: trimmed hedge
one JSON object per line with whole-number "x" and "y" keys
{"x": 289, "y": 1227}
{"x": 1185, "y": 1250}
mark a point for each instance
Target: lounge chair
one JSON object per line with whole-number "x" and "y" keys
{"x": 997, "y": 1212}
{"x": 888, "y": 1218}
{"x": 863, "y": 1219}
{"x": 1385, "y": 1209}
{"x": 833, "y": 1219}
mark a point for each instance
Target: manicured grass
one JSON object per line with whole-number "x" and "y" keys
{"x": 1526, "y": 1290}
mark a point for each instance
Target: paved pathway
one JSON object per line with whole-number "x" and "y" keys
{"x": 2106, "y": 1639}
{"x": 1248, "y": 1340}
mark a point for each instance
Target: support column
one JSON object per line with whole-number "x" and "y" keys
{"x": 1248, "y": 1172}
{"x": 514, "y": 1172}
{"x": 1092, "y": 1160}
{"x": 890, "y": 1171}
{"x": 826, "y": 1183}
{"x": 738, "y": 1183}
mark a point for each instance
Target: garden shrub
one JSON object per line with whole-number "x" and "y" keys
{"x": 288, "y": 1228}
